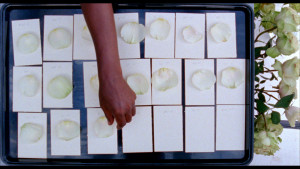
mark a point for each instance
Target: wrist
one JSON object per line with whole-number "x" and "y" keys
{"x": 109, "y": 75}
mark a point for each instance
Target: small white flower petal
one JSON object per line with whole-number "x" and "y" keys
{"x": 292, "y": 114}
{"x": 60, "y": 38}
{"x": 159, "y": 29}
{"x": 220, "y": 32}
{"x": 94, "y": 82}
{"x": 86, "y": 34}
{"x": 28, "y": 43}
{"x": 138, "y": 83}
{"x": 59, "y": 87}
{"x": 164, "y": 79}
{"x": 191, "y": 35}
{"x": 102, "y": 129}
{"x": 133, "y": 32}
{"x": 31, "y": 133}
{"x": 28, "y": 85}
{"x": 67, "y": 130}
{"x": 232, "y": 77}
{"x": 203, "y": 79}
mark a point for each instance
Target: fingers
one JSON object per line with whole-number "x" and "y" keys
{"x": 109, "y": 116}
{"x": 133, "y": 111}
{"x": 128, "y": 117}
{"x": 121, "y": 121}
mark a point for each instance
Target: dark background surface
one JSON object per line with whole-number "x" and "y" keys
{"x": 10, "y": 121}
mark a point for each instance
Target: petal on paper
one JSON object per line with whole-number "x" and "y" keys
{"x": 159, "y": 29}
{"x": 164, "y": 79}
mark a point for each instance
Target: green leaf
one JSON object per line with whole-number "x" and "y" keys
{"x": 258, "y": 50}
{"x": 257, "y": 85}
{"x": 267, "y": 7}
{"x": 269, "y": 44}
{"x": 261, "y": 97}
{"x": 275, "y": 117}
{"x": 285, "y": 101}
{"x": 261, "y": 107}
{"x": 295, "y": 6}
{"x": 256, "y": 68}
{"x": 259, "y": 67}
{"x": 280, "y": 140}
{"x": 257, "y": 9}
{"x": 273, "y": 52}
{"x": 268, "y": 20}
{"x": 256, "y": 79}
{"x": 263, "y": 81}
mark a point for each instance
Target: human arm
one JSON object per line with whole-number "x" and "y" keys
{"x": 116, "y": 97}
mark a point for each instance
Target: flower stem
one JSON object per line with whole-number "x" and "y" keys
{"x": 271, "y": 90}
{"x": 267, "y": 90}
{"x": 270, "y": 95}
{"x": 270, "y": 71}
{"x": 263, "y": 32}
{"x": 265, "y": 121}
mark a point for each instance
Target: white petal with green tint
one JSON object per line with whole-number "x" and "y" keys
{"x": 191, "y": 35}
{"x": 138, "y": 83}
{"x": 102, "y": 129}
{"x": 232, "y": 77}
{"x": 67, "y": 130}
{"x": 85, "y": 34}
{"x": 133, "y": 32}
{"x": 164, "y": 79}
{"x": 159, "y": 29}
{"x": 60, "y": 38}
{"x": 30, "y": 133}
{"x": 203, "y": 79}
{"x": 94, "y": 82}
{"x": 28, "y": 43}
{"x": 28, "y": 85}
{"x": 59, "y": 87}
{"x": 220, "y": 32}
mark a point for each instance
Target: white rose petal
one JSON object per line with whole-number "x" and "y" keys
{"x": 86, "y": 34}
{"x": 59, "y": 87}
{"x": 94, "y": 82}
{"x": 164, "y": 79}
{"x": 191, "y": 35}
{"x": 28, "y": 85}
{"x": 287, "y": 89}
{"x": 138, "y": 83}
{"x": 133, "y": 32}
{"x": 60, "y": 38}
{"x": 220, "y": 32}
{"x": 160, "y": 29}
{"x": 292, "y": 114}
{"x": 291, "y": 70}
{"x": 67, "y": 130}
{"x": 31, "y": 133}
{"x": 203, "y": 79}
{"x": 102, "y": 129}
{"x": 232, "y": 77}
{"x": 28, "y": 43}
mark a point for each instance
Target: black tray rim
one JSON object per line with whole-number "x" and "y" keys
{"x": 3, "y": 105}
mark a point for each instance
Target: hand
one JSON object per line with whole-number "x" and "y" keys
{"x": 117, "y": 100}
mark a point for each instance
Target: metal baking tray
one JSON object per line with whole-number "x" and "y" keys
{"x": 245, "y": 50}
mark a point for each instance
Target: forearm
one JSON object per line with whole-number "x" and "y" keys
{"x": 100, "y": 21}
